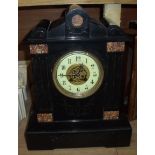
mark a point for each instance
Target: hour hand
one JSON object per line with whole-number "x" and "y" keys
{"x": 61, "y": 75}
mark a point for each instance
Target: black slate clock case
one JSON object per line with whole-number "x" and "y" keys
{"x": 57, "y": 121}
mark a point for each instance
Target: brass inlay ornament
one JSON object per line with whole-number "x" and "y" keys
{"x": 115, "y": 46}
{"x": 77, "y": 20}
{"x": 111, "y": 115}
{"x": 38, "y": 48}
{"x": 45, "y": 117}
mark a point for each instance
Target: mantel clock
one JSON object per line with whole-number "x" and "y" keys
{"x": 78, "y": 70}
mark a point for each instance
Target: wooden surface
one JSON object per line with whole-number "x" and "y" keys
{"x": 128, "y": 13}
{"x": 65, "y": 2}
{"x": 133, "y": 90}
{"x": 80, "y": 151}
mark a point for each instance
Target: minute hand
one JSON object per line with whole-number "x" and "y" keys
{"x": 68, "y": 75}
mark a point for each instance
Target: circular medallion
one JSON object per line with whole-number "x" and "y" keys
{"x": 77, "y": 20}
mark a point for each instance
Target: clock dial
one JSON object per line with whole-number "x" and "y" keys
{"x": 78, "y": 74}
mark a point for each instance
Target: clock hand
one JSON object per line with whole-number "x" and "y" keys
{"x": 76, "y": 73}
{"x": 67, "y": 75}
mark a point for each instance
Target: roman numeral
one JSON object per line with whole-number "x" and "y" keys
{"x": 92, "y": 82}
{"x": 69, "y": 61}
{"x": 63, "y": 67}
{"x": 94, "y": 74}
{"x": 61, "y": 75}
{"x": 78, "y": 58}
{"x": 92, "y": 65}
{"x": 86, "y": 60}
{"x": 78, "y": 89}
{"x": 86, "y": 88}
{"x": 64, "y": 82}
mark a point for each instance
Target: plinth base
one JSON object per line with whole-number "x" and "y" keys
{"x": 45, "y": 136}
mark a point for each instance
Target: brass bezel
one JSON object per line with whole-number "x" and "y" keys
{"x": 78, "y": 95}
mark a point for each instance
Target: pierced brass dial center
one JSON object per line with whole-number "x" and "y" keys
{"x": 78, "y": 74}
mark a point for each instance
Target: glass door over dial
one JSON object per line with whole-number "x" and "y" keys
{"x": 78, "y": 74}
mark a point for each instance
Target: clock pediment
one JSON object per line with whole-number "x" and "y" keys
{"x": 75, "y": 25}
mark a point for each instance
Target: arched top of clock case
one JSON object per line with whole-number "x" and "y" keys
{"x": 74, "y": 26}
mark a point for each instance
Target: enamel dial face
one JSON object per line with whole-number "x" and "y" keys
{"x": 78, "y": 74}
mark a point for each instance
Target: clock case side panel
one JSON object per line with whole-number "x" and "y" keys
{"x": 41, "y": 93}
{"x": 41, "y": 84}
